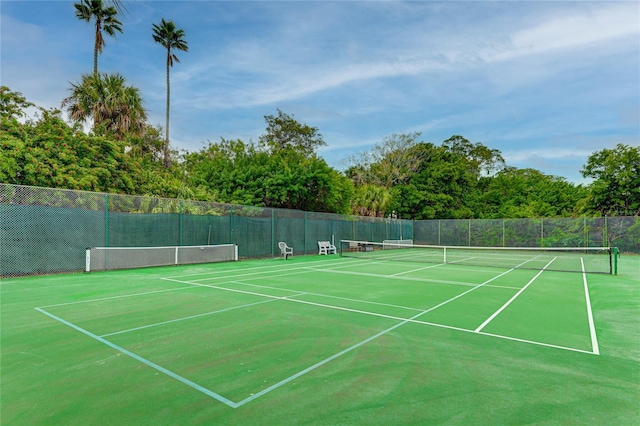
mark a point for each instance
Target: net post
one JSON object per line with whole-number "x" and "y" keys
{"x": 87, "y": 260}
{"x": 444, "y": 254}
{"x": 616, "y": 255}
{"x": 175, "y": 259}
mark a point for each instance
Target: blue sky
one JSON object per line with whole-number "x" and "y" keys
{"x": 545, "y": 82}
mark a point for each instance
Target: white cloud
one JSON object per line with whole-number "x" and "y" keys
{"x": 520, "y": 156}
{"x": 508, "y": 74}
{"x": 575, "y": 29}
{"x": 293, "y": 64}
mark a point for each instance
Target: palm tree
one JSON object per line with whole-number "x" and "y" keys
{"x": 105, "y": 20}
{"x": 370, "y": 200}
{"x": 170, "y": 37}
{"x": 119, "y": 5}
{"x": 109, "y": 102}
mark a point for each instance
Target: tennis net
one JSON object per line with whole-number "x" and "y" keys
{"x": 573, "y": 259}
{"x": 108, "y": 258}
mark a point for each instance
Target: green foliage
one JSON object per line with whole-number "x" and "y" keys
{"x": 478, "y": 158}
{"x": 147, "y": 144}
{"x": 415, "y": 180}
{"x": 12, "y": 104}
{"x": 529, "y": 193}
{"x": 616, "y": 188}
{"x": 171, "y": 38}
{"x": 391, "y": 162}
{"x": 282, "y": 172}
{"x": 239, "y": 173}
{"x": 285, "y": 133}
{"x": 370, "y": 200}
{"x": 114, "y": 107}
{"x": 440, "y": 188}
{"x": 47, "y": 152}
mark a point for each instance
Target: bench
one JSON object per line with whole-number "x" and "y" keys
{"x": 325, "y": 247}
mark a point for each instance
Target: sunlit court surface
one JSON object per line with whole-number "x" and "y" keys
{"x": 361, "y": 339}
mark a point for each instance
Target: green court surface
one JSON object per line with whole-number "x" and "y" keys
{"x": 322, "y": 340}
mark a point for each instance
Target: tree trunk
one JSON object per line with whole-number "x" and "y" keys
{"x": 167, "y": 160}
{"x": 96, "y": 49}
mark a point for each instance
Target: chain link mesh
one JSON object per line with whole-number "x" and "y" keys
{"x": 44, "y": 230}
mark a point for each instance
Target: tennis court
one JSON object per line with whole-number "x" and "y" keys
{"x": 322, "y": 340}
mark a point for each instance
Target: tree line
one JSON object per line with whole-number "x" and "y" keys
{"x": 402, "y": 176}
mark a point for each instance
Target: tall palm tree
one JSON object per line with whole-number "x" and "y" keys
{"x": 109, "y": 102}
{"x": 105, "y": 20}
{"x": 119, "y": 5}
{"x": 171, "y": 38}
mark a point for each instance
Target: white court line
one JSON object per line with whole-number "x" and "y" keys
{"x": 187, "y": 318}
{"x": 143, "y": 360}
{"x": 515, "y": 296}
{"x": 357, "y": 345}
{"x": 190, "y": 286}
{"x": 327, "y": 296}
{"x": 277, "y": 266}
{"x": 260, "y": 274}
{"x": 592, "y": 327}
{"x": 515, "y": 339}
{"x": 324, "y": 361}
{"x": 118, "y": 297}
{"x": 533, "y": 342}
{"x": 416, "y": 270}
{"x": 311, "y": 368}
{"x": 304, "y": 268}
{"x": 425, "y": 280}
{"x": 369, "y": 274}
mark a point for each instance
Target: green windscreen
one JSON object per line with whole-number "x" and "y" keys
{"x": 44, "y": 230}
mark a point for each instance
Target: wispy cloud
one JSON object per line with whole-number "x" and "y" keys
{"x": 577, "y": 29}
{"x": 541, "y": 81}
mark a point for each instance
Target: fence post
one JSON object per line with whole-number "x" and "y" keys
{"x": 332, "y": 234}
{"x": 180, "y": 223}
{"x": 273, "y": 239}
{"x": 231, "y": 224}
{"x": 371, "y": 229}
{"x": 106, "y": 220}
{"x": 412, "y": 230}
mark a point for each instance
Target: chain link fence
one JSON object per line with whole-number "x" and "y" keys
{"x": 44, "y": 230}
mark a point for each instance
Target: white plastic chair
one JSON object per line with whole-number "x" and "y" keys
{"x": 285, "y": 250}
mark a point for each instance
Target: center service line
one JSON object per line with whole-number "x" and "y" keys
{"x": 496, "y": 313}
